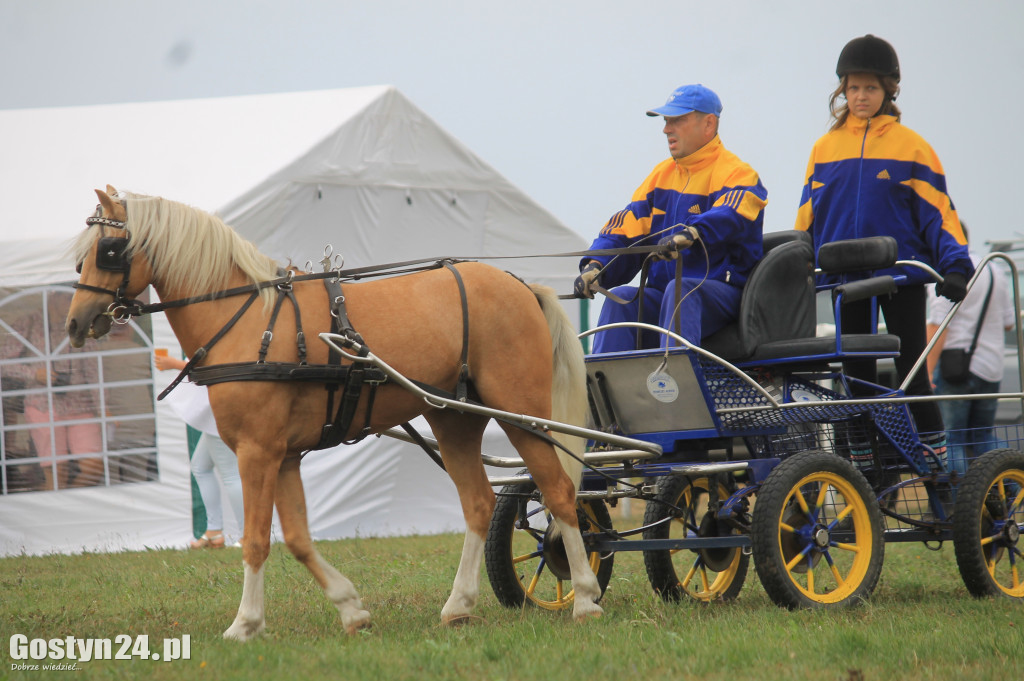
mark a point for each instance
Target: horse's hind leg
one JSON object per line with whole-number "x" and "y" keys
{"x": 460, "y": 436}
{"x": 560, "y": 498}
{"x": 291, "y": 509}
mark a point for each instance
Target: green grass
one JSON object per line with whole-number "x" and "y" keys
{"x": 920, "y": 624}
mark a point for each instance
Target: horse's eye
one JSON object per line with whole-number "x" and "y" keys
{"x": 78, "y": 268}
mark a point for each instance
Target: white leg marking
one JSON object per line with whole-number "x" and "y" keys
{"x": 249, "y": 621}
{"x": 586, "y": 590}
{"x": 340, "y": 591}
{"x": 466, "y": 588}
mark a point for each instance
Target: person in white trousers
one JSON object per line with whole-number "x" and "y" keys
{"x": 192, "y": 404}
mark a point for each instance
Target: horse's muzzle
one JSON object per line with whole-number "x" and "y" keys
{"x": 87, "y": 324}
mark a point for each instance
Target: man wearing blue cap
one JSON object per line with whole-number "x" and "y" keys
{"x": 705, "y": 208}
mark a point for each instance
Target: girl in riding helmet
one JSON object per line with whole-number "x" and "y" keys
{"x": 872, "y": 176}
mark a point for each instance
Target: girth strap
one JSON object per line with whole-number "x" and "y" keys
{"x": 460, "y": 385}
{"x": 339, "y": 422}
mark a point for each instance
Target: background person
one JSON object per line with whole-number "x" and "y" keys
{"x": 969, "y": 422}
{"x": 872, "y": 176}
{"x": 192, "y": 403}
{"x": 58, "y": 408}
{"x": 704, "y": 206}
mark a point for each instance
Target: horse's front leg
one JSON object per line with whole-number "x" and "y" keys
{"x": 291, "y": 509}
{"x": 258, "y": 469}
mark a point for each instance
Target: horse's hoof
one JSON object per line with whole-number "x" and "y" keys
{"x": 583, "y": 613}
{"x": 240, "y": 631}
{"x": 358, "y": 623}
{"x": 461, "y": 620}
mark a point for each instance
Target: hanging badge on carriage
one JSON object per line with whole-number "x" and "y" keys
{"x": 662, "y": 387}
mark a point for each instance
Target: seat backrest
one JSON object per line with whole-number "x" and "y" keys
{"x": 858, "y": 255}
{"x": 777, "y": 302}
{"x": 773, "y": 239}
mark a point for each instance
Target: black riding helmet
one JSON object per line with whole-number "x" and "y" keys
{"x": 868, "y": 54}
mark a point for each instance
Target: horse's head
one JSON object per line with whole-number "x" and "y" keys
{"x": 113, "y": 271}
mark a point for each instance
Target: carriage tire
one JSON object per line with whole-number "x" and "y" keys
{"x": 514, "y": 557}
{"x": 799, "y": 551}
{"x": 987, "y": 521}
{"x": 682, "y": 574}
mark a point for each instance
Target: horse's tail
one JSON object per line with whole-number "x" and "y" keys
{"x": 569, "y": 380}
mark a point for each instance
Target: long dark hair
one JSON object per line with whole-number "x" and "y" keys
{"x": 840, "y": 110}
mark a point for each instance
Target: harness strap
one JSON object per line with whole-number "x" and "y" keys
{"x": 676, "y": 316}
{"x": 300, "y": 337}
{"x": 277, "y": 371}
{"x": 268, "y": 335}
{"x": 347, "y": 408}
{"x": 137, "y": 309}
{"x": 639, "y": 296}
{"x": 335, "y": 301}
{"x": 338, "y": 423}
{"x": 200, "y": 354}
{"x": 460, "y": 385}
{"x": 350, "y": 400}
{"x": 415, "y": 435}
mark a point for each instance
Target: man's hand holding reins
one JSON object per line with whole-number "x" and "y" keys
{"x": 670, "y": 246}
{"x": 586, "y": 284}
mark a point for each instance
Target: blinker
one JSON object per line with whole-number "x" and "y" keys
{"x": 110, "y": 253}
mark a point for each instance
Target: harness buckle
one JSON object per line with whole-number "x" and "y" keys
{"x": 118, "y": 313}
{"x": 335, "y": 304}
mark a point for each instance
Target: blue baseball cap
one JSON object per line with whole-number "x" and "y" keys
{"x": 689, "y": 98}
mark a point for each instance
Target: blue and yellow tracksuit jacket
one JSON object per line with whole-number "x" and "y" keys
{"x": 877, "y": 177}
{"x": 712, "y": 190}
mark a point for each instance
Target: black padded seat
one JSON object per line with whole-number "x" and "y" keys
{"x": 823, "y": 349}
{"x": 777, "y": 302}
{"x": 777, "y": 317}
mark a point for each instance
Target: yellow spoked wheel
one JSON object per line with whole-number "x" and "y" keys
{"x": 987, "y": 523}
{"x": 525, "y": 564}
{"x": 680, "y": 510}
{"x": 817, "y": 533}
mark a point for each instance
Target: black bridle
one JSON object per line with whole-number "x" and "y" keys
{"x": 112, "y": 256}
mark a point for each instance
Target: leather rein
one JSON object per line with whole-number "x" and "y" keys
{"x": 349, "y": 380}
{"x": 111, "y": 255}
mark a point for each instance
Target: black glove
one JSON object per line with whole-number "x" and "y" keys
{"x": 586, "y": 284}
{"x": 954, "y": 287}
{"x": 670, "y": 246}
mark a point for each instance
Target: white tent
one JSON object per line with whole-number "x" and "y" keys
{"x": 361, "y": 169}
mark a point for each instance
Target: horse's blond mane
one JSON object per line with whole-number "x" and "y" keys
{"x": 189, "y": 249}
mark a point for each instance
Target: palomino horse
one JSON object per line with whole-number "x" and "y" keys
{"x": 522, "y": 352}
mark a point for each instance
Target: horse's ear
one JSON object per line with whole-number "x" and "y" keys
{"x": 111, "y": 208}
{"x": 111, "y": 190}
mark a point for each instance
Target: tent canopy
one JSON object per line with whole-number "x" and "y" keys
{"x": 362, "y": 168}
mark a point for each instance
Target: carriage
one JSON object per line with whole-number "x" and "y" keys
{"x": 741, "y": 448}
{"x": 755, "y": 449}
